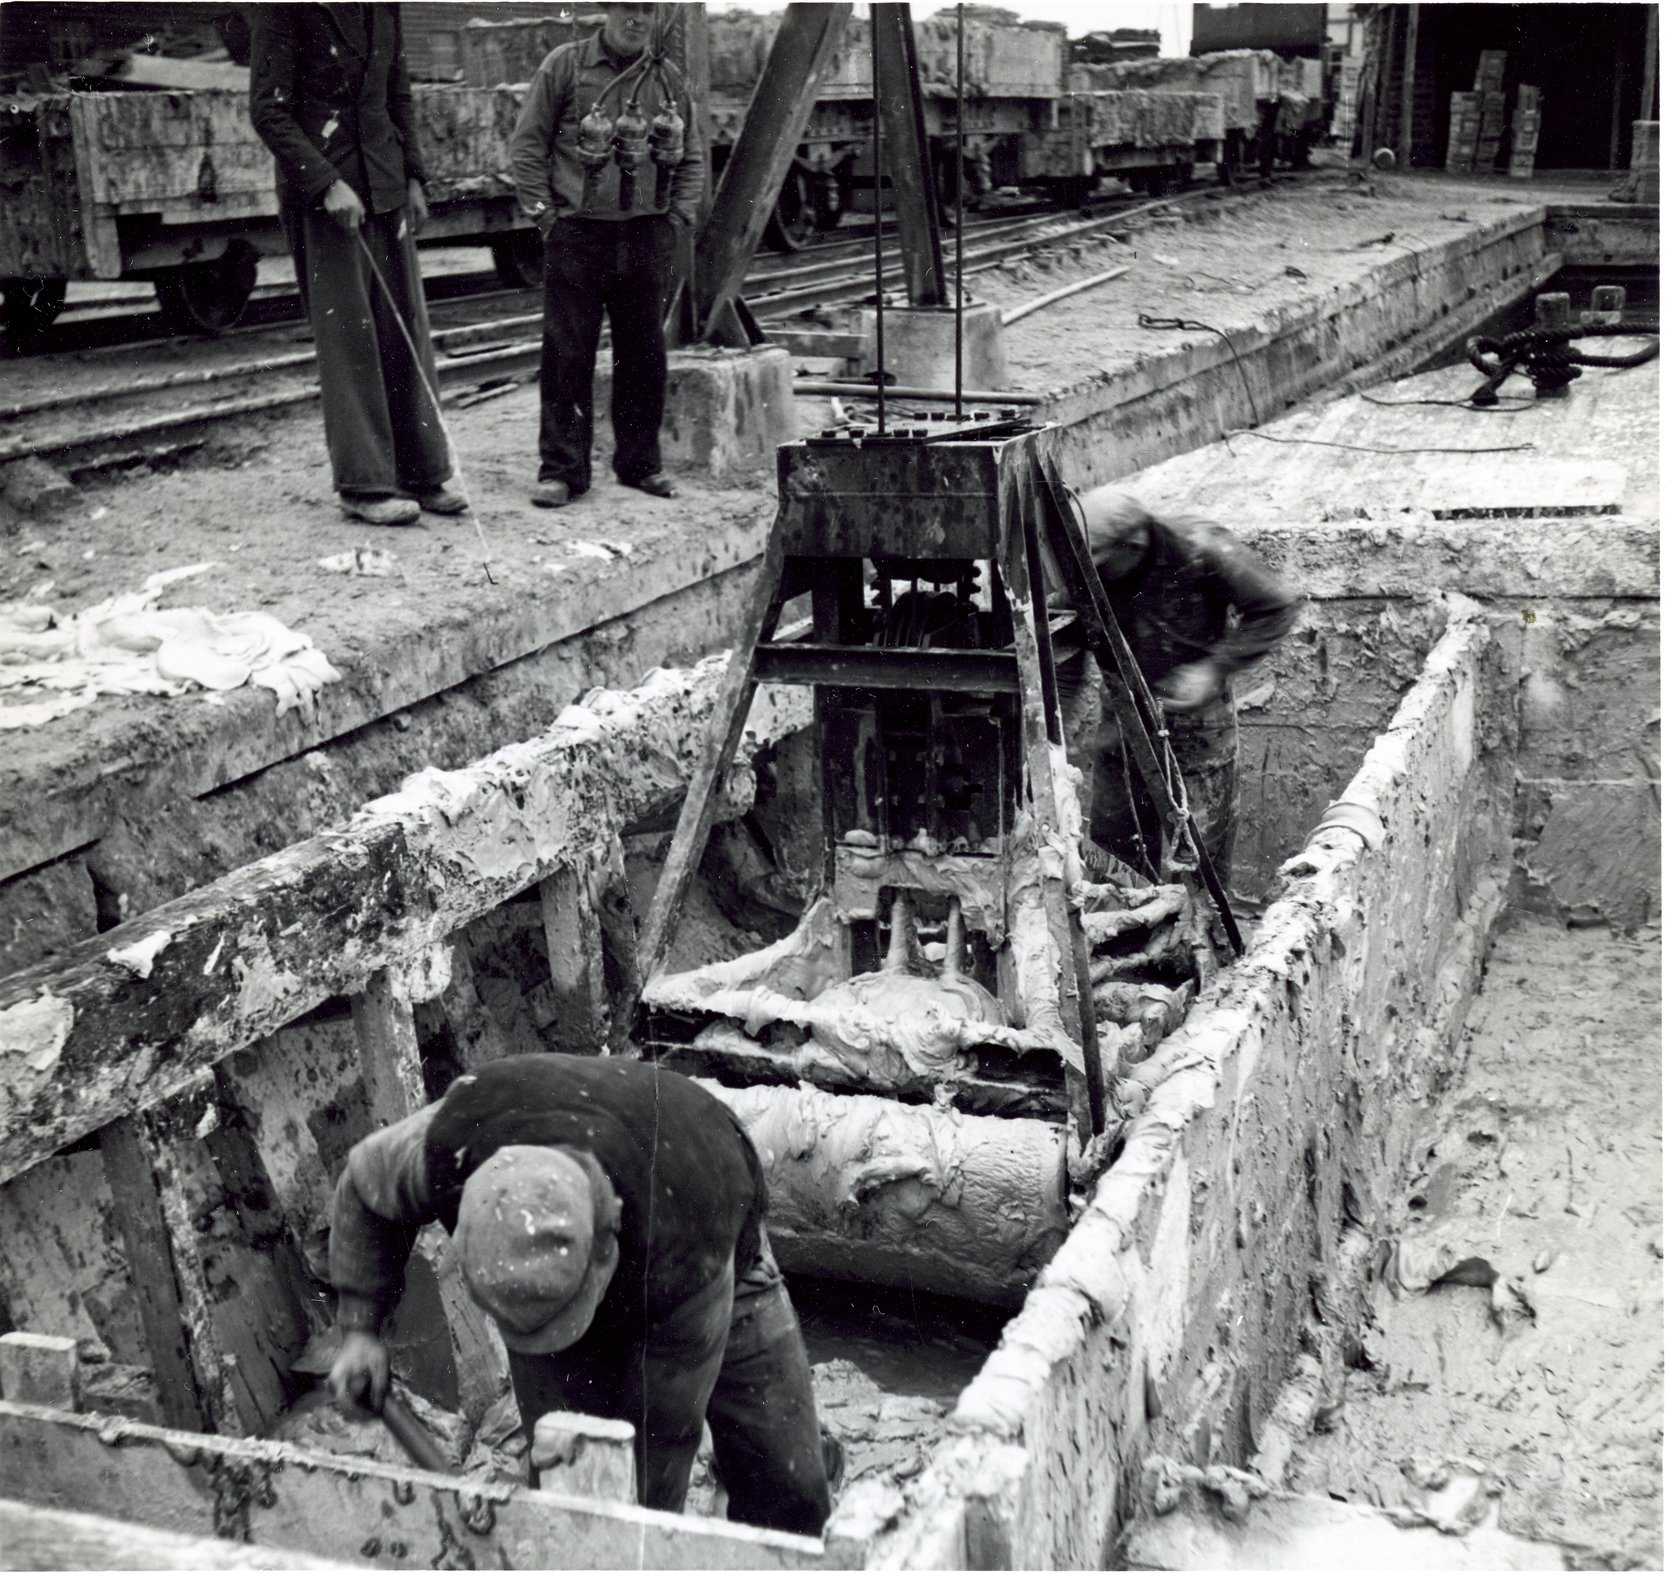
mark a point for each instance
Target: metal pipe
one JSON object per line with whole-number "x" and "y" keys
{"x": 1039, "y": 302}
{"x": 984, "y": 396}
{"x": 957, "y": 296}
{"x": 875, "y": 157}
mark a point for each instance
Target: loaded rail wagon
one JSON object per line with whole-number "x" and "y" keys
{"x": 177, "y": 188}
{"x": 1312, "y": 65}
{"x": 1024, "y": 124}
{"x": 172, "y": 184}
{"x": 1264, "y": 98}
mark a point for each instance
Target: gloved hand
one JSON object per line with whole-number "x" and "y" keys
{"x": 360, "y": 1373}
{"x": 1189, "y": 687}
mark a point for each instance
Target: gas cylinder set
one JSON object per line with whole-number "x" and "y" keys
{"x": 629, "y": 139}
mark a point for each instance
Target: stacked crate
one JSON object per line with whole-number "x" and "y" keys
{"x": 1488, "y": 85}
{"x": 1643, "y": 162}
{"x": 1527, "y": 125}
{"x": 1464, "y": 133}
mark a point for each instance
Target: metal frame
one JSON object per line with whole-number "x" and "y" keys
{"x": 998, "y": 498}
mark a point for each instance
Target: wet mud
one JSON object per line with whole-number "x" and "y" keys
{"x": 1518, "y": 1322}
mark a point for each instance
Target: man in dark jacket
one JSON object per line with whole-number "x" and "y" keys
{"x": 590, "y": 105}
{"x": 1196, "y": 607}
{"x": 328, "y": 93}
{"x": 611, "y": 1217}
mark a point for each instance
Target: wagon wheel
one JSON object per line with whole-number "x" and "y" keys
{"x": 794, "y": 216}
{"x": 29, "y": 306}
{"x": 208, "y": 297}
{"x": 830, "y": 199}
{"x": 519, "y": 259}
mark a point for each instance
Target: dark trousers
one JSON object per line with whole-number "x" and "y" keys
{"x": 592, "y": 266}
{"x": 381, "y": 427}
{"x": 730, "y": 1354}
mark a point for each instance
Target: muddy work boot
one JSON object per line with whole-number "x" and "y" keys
{"x": 660, "y": 485}
{"x": 379, "y": 511}
{"x": 552, "y": 494}
{"x": 444, "y": 499}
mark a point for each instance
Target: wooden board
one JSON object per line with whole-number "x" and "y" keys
{"x": 54, "y": 1539}
{"x": 86, "y": 1039}
{"x": 258, "y": 1491}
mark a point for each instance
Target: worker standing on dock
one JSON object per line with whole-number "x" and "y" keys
{"x": 607, "y": 158}
{"x": 329, "y": 94}
{"x": 611, "y": 1217}
{"x": 1196, "y": 607}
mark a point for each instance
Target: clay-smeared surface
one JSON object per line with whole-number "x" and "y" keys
{"x": 1547, "y": 1152}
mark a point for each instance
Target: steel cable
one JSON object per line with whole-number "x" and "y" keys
{"x": 434, "y": 397}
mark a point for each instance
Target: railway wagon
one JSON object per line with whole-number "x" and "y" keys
{"x": 175, "y": 186}
{"x": 1025, "y": 123}
{"x": 1265, "y": 97}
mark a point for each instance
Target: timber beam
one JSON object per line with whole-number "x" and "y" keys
{"x": 909, "y": 164}
{"x": 258, "y": 1491}
{"x": 763, "y": 155}
{"x": 128, "y": 1018}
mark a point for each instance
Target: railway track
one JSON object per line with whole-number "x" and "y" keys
{"x": 99, "y": 409}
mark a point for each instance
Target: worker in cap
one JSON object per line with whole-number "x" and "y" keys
{"x": 1197, "y": 607}
{"x": 610, "y": 1217}
{"x": 609, "y": 162}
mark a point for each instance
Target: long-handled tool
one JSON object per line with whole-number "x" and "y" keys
{"x": 434, "y": 400}
{"x": 316, "y": 1360}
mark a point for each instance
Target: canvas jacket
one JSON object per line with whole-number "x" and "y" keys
{"x": 1199, "y": 592}
{"x": 544, "y": 157}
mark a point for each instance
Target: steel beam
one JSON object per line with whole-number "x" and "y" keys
{"x": 764, "y": 152}
{"x": 915, "y": 203}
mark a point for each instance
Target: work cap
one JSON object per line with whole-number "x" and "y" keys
{"x": 1115, "y": 523}
{"x": 536, "y": 1240}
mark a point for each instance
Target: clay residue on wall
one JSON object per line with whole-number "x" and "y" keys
{"x": 1277, "y": 1111}
{"x": 1543, "y": 1359}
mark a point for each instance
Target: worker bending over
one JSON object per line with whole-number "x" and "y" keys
{"x": 607, "y": 159}
{"x": 1196, "y": 607}
{"x": 611, "y": 1218}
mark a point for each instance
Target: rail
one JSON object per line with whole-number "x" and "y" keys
{"x": 473, "y": 355}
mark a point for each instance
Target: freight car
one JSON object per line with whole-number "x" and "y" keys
{"x": 1025, "y": 124}
{"x": 174, "y": 186}
{"x": 1273, "y": 109}
{"x": 1311, "y": 64}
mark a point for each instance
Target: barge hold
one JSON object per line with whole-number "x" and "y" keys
{"x": 1129, "y": 1199}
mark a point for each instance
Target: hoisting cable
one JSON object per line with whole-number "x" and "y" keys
{"x": 1192, "y": 325}
{"x": 957, "y": 367}
{"x": 875, "y": 157}
{"x": 1549, "y": 357}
